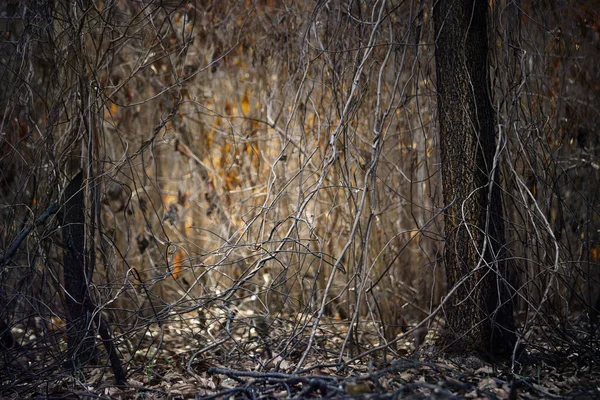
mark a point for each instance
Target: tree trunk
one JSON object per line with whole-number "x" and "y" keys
{"x": 80, "y": 335}
{"x": 479, "y": 315}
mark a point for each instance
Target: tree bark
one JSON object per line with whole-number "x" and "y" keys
{"x": 479, "y": 315}
{"x": 80, "y": 335}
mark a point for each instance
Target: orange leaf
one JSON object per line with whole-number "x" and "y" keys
{"x": 245, "y": 105}
{"x": 595, "y": 253}
{"x": 177, "y": 261}
{"x": 55, "y": 323}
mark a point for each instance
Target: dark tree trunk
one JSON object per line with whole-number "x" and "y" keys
{"x": 81, "y": 333}
{"x": 479, "y": 314}
{"x": 80, "y": 336}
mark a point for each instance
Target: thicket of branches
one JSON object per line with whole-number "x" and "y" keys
{"x": 257, "y": 166}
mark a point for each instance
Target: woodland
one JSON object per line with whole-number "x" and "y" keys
{"x": 265, "y": 199}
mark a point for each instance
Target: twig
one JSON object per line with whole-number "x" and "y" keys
{"x": 52, "y": 209}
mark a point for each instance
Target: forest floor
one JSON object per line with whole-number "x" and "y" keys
{"x": 236, "y": 362}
